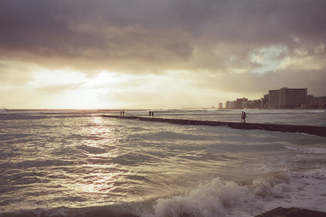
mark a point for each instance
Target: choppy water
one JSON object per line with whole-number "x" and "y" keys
{"x": 81, "y": 164}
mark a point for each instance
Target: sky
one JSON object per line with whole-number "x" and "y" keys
{"x": 157, "y": 54}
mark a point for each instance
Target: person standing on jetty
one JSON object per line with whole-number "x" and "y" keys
{"x": 150, "y": 113}
{"x": 243, "y": 120}
{"x": 243, "y": 117}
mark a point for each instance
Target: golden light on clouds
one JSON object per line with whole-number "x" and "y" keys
{"x": 162, "y": 54}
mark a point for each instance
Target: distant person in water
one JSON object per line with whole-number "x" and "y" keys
{"x": 242, "y": 116}
{"x": 123, "y": 113}
{"x": 150, "y": 113}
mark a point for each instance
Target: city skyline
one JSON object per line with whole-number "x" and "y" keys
{"x": 284, "y": 97}
{"x": 107, "y": 54}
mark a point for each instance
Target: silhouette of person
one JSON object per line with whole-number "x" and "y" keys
{"x": 242, "y": 116}
{"x": 150, "y": 113}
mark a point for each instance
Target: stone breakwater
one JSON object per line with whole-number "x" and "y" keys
{"x": 313, "y": 130}
{"x": 292, "y": 212}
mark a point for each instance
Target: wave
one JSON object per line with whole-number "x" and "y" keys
{"x": 320, "y": 151}
{"x": 290, "y": 111}
{"x": 222, "y": 199}
{"x": 249, "y": 198}
{"x": 99, "y": 211}
{"x": 216, "y": 198}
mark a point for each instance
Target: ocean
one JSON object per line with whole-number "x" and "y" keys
{"x": 78, "y": 163}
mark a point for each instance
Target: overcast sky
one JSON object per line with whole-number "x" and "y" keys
{"x": 157, "y": 53}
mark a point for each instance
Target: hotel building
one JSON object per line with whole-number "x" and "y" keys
{"x": 287, "y": 97}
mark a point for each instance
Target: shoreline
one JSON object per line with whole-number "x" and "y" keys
{"x": 312, "y": 130}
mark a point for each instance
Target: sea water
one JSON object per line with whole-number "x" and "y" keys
{"x": 83, "y": 164}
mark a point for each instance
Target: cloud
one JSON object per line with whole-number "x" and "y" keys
{"x": 150, "y": 37}
{"x": 229, "y": 47}
{"x": 15, "y": 73}
{"x": 157, "y": 99}
{"x": 256, "y": 85}
{"x": 57, "y": 88}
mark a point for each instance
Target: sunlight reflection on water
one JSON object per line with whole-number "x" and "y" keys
{"x": 100, "y": 149}
{"x": 87, "y": 160}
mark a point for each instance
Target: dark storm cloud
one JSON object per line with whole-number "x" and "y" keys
{"x": 153, "y": 36}
{"x": 31, "y": 26}
{"x": 248, "y": 83}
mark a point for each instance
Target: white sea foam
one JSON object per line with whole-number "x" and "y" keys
{"x": 52, "y": 153}
{"x": 307, "y": 150}
{"x": 220, "y": 198}
{"x": 262, "y": 168}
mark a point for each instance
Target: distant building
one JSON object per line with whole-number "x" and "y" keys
{"x": 238, "y": 104}
{"x": 292, "y": 97}
{"x": 322, "y": 99}
{"x": 241, "y": 103}
{"x": 220, "y": 105}
{"x": 287, "y": 97}
{"x": 254, "y": 104}
{"x": 244, "y": 103}
{"x": 227, "y": 104}
{"x": 265, "y": 101}
{"x": 232, "y": 104}
{"x": 273, "y": 98}
{"x": 310, "y": 98}
{"x": 315, "y": 102}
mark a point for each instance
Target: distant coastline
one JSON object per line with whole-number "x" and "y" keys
{"x": 272, "y": 108}
{"x": 134, "y": 110}
{"x": 73, "y": 110}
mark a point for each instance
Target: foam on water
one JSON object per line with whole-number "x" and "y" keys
{"x": 61, "y": 164}
{"x": 321, "y": 151}
{"x": 218, "y": 198}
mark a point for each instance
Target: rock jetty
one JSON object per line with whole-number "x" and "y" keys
{"x": 292, "y": 212}
{"x": 312, "y": 130}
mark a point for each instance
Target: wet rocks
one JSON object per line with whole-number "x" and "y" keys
{"x": 292, "y": 212}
